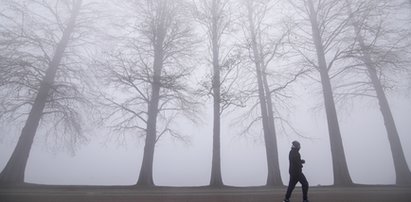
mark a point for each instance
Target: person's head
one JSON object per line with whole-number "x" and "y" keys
{"x": 296, "y": 145}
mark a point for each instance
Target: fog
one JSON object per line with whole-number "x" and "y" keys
{"x": 105, "y": 161}
{"x": 114, "y": 157}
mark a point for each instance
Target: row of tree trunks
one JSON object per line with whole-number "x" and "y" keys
{"x": 14, "y": 171}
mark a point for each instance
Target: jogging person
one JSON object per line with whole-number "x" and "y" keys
{"x": 296, "y": 174}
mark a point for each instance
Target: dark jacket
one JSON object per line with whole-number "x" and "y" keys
{"x": 295, "y": 162}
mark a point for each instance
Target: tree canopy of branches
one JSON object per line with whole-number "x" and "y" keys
{"x": 216, "y": 18}
{"x": 43, "y": 79}
{"x": 151, "y": 65}
{"x": 262, "y": 49}
{"x": 379, "y": 54}
{"x": 328, "y": 23}
{"x": 148, "y": 56}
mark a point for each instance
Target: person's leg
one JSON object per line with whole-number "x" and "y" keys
{"x": 304, "y": 184}
{"x": 291, "y": 185}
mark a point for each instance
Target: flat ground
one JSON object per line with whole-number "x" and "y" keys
{"x": 201, "y": 194}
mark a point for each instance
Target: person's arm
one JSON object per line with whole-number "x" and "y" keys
{"x": 299, "y": 162}
{"x": 296, "y": 160}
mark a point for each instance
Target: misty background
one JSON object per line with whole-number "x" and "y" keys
{"x": 105, "y": 157}
{"x": 105, "y": 161}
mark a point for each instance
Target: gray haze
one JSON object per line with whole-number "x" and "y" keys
{"x": 105, "y": 162}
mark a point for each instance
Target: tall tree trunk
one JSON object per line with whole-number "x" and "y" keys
{"x": 276, "y": 179}
{"x": 268, "y": 137}
{"x": 340, "y": 168}
{"x": 216, "y": 179}
{"x": 402, "y": 171}
{"x": 15, "y": 168}
{"x": 146, "y": 172}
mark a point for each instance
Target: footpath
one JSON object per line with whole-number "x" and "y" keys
{"x": 201, "y": 194}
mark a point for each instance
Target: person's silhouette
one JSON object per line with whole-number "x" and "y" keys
{"x": 296, "y": 174}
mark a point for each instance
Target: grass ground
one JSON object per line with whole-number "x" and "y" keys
{"x": 201, "y": 194}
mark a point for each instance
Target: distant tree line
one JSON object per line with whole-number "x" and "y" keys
{"x": 129, "y": 66}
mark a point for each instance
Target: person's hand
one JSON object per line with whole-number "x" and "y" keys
{"x": 302, "y": 161}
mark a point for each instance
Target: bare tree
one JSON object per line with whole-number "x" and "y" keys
{"x": 380, "y": 48}
{"x": 263, "y": 47}
{"x": 216, "y": 18}
{"x": 150, "y": 64}
{"x": 41, "y": 73}
{"x": 328, "y": 24}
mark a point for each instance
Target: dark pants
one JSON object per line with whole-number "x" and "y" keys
{"x": 293, "y": 181}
